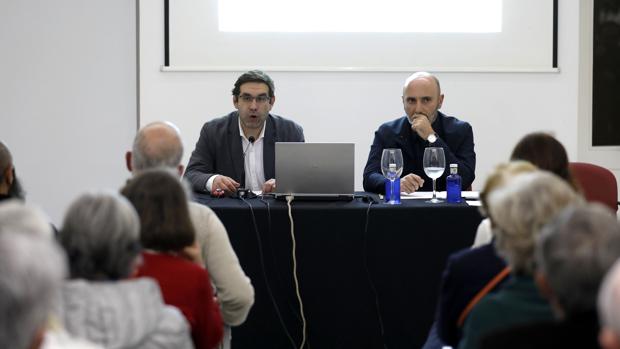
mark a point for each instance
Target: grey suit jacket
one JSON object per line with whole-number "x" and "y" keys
{"x": 219, "y": 151}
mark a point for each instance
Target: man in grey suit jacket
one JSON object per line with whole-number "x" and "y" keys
{"x": 239, "y": 149}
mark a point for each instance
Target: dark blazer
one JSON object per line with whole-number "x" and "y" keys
{"x": 453, "y": 135}
{"x": 218, "y": 150}
{"x": 466, "y": 273}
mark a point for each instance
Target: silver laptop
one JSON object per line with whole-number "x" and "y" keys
{"x": 321, "y": 171}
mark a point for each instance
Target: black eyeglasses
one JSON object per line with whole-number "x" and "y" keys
{"x": 262, "y": 99}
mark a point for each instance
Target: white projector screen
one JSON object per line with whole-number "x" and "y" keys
{"x": 361, "y": 35}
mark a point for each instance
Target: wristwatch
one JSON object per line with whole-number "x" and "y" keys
{"x": 432, "y": 138}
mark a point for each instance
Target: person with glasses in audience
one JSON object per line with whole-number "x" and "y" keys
{"x": 238, "y": 150}
{"x": 422, "y": 126}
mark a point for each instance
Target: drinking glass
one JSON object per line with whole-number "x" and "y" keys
{"x": 434, "y": 163}
{"x": 392, "y": 168}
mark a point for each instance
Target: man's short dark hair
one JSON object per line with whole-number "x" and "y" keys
{"x": 162, "y": 204}
{"x": 254, "y": 76}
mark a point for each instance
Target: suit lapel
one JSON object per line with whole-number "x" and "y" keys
{"x": 236, "y": 153}
{"x": 269, "y": 144}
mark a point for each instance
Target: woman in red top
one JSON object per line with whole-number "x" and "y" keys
{"x": 170, "y": 254}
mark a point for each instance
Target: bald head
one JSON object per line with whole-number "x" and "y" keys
{"x": 422, "y": 75}
{"x": 157, "y": 144}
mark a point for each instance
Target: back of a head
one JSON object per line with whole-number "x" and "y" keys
{"x": 5, "y": 159}
{"x": 521, "y": 208}
{"x": 500, "y": 176}
{"x": 31, "y": 272}
{"x": 575, "y": 251}
{"x": 546, "y": 153}
{"x": 7, "y": 168}
{"x": 157, "y": 145}
{"x": 161, "y": 202}
{"x": 15, "y": 215}
{"x": 100, "y": 234}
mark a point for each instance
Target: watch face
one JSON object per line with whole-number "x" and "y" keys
{"x": 432, "y": 138}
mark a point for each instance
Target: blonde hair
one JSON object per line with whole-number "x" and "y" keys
{"x": 521, "y": 208}
{"x": 498, "y": 178}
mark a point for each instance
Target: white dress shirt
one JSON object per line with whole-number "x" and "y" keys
{"x": 252, "y": 162}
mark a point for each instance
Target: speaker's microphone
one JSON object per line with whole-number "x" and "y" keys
{"x": 251, "y": 139}
{"x": 243, "y": 193}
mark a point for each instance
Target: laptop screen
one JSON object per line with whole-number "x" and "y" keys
{"x": 315, "y": 168}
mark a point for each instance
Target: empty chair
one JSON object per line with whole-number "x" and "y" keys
{"x": 598, "y": 183}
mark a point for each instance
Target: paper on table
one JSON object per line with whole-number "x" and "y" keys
{"x": 467, "y": 195}
{"x": 422, "y": 195}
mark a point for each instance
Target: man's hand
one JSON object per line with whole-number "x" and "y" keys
{"x": 227, "y": 184}
{"x": 269, "y": 186}
{"x": 410, "y": 183}
{"x": 422, "y": 125}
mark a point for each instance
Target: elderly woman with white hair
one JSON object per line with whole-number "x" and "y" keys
{"x": 519, "y": 211}
{"x": 100, "y": 303}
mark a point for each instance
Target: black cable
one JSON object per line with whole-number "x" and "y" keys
{"x": 372, "y": 284}
{"x": 264, "y": 270}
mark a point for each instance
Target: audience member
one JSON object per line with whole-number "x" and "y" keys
{"x": 609, "y": 309}
{"x": 158, "y": 145}
{"x": 422, "y": 126}
{"x": 546, "y": 153}
{"x": 31, "y": 273}
{"x": 239, "y": 149}
{"x": 573, "y": 254}
{"x": 15, "y": 215}
{"x": 471, "y": 273}
{"x": 518, "y": 210}
{"x": 10, "y": 186}
{"x": 100, "y": 234}
{"x": 172, "y": 257}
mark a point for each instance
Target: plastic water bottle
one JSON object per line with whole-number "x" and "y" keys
{"x": 392, "y": 188}
{"x": 453, "y": 185}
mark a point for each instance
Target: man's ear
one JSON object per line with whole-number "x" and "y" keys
{"x": 180, "y": 168}
{"x": 128, "y": 156}
{"x": 440, "y": 101}
{"x": 236, "y": 102}
{"x": 8, "y": 175}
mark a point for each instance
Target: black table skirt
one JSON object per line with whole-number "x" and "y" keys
{"x": 360, "y": 288}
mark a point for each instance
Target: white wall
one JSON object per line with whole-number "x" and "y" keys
{"x": 67, "y": 95}
{"x": 68, "y": 100}
{"x": 349, "y": 106}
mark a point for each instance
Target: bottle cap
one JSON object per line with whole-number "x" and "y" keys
{"x": 454, "y": 165}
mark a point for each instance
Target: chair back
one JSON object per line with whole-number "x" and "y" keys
{"x": 598, "y": 183}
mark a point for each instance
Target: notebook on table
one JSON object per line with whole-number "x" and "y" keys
{"x": 315, "y": 171}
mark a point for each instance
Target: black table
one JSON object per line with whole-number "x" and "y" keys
{"x": 363, "y": 284}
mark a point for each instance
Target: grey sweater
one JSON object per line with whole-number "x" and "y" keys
{"x": 123, "y": 314}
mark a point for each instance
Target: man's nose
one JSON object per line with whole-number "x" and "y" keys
{"x": 254, "y": 104}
